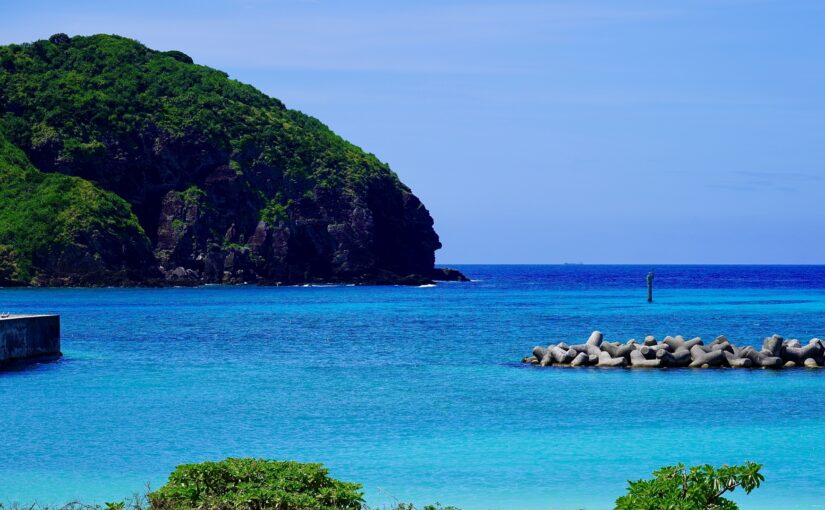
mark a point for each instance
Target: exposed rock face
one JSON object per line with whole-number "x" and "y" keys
{"x": 227, "y": 184}
{"x": 383, "y": 236}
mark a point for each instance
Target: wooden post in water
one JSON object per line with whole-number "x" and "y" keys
{"x": 650, "y": 286}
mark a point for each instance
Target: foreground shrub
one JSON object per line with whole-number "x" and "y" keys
{"x": 255, "y": 484}
{"x": 695, "y": 488}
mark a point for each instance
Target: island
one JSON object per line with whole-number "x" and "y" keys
{"x": 123, "y": 165}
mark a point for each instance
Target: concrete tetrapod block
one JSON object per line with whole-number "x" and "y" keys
{"x": 580, "y": 359}
{"x": 722, "y": 346}
{"x": 719, "y": 340}
{"x": 647, "y": 351}
{"x": 663, "y": 347}
{"x": 772, "y": 345}
{"x": 562, "y": 356}
{"x": 736, "y": 361}
{"x": 678, "y": 358}
{"x": 799, "y": 354}
{"x": 760, "y": 359}
{"x": 605, "y": 360}
{"x": 638, "y": 360}
{"x": 678, "y": 342}
{"x": 547, "y": 359}
{"x": 596, "y": 338}
{"x": 674, "y": 352}
{"x": 621, "y": 351}
{"x": 700, "y": 357}
{"x": 588, "y": 348}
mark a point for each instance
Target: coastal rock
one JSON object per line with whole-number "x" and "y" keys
{"x": 446, "y": 274}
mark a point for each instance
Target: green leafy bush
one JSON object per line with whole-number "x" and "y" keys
{"x": 255, "y": 484}
{"x": 695, "y": 488}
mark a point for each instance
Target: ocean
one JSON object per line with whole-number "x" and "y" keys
{"x": 418, "y": 393}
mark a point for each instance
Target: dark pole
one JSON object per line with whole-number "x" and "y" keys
{"x": 650, "y": 286}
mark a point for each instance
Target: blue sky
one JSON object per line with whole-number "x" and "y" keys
{"x": 540, "y": 132}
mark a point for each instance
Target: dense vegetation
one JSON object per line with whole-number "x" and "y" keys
{"x": 49, "y": 220}
{"x": 226, "y": 183}
{"x": 255, "y": 484}
{"x": 695, "y": 488}
{"x": 74, "y": 97}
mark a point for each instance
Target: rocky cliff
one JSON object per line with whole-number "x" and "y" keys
{"x": 218, "y": 182}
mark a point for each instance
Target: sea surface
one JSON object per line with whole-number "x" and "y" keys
{"x": 417, "y": 393}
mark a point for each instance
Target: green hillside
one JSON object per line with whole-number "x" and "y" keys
{"x": 227, "y": 184}
{"x": 49, "y": 223}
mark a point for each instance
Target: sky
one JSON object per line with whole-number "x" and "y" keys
{"x": 586, "y": 131}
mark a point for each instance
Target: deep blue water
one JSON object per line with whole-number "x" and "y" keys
{"x": 417, "y": 393}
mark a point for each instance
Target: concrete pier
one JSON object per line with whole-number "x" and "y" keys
{"x": 29, "y": 338}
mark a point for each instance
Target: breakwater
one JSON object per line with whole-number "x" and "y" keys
{"x": 676, "y": 351}
{"x": 29, "y": 338}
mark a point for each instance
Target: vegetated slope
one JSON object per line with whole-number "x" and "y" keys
{"x": 66, "y": 229}
{"x": 227, "y": 184}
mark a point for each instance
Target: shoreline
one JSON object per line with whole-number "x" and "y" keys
{"x": 389, "y": 279}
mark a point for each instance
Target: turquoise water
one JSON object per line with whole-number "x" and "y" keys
{"x": 417, "y": 393}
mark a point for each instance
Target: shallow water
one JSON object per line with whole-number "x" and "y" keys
{"x": 417, "y": 392}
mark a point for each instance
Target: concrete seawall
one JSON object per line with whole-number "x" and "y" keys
{"x": 29, "y": 338}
